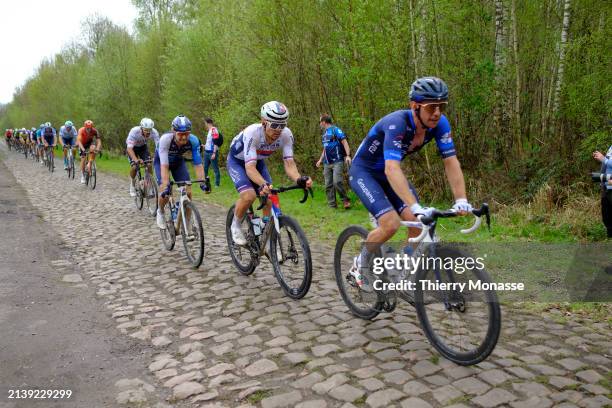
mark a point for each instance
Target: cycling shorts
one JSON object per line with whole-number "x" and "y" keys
{"x": 142, "y": 152}
{"x": 375, "y": 192}
{"x": 237, "y": 171}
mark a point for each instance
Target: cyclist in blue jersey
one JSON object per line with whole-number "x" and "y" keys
{"x": 376, "y": 175}
{"x": 68, "y": 137}
{"x": 39, "y": 143}
{"x": 169, "y": 158}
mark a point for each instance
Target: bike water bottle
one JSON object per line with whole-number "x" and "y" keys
{"x": 257, "y": 226}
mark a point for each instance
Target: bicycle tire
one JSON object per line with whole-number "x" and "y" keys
{"x": 71, "y": 167}
{"x": 151, "y": 193}
{"x": 168, "y": 235}
{"x": 236, "y": 251}
{"x": 493, "y": 329}
{"x": 287, "y": 223}
{"x": 367, "y": 313}
{"x": 198, "y": 256}
{"x": 51, "y": 161}
{"x": 139, "y": 197}
{"x": 93, "y": 176}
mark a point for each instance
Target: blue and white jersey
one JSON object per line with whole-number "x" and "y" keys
{"x": 607, "y": 166}
{"x": 171, "y": 153}
{"x": 137, "y": 139}
{"x": 68, "y": 134}
{"x": 250, "y": 144}
{"x": 334, "y": 151}
{"x": 392, "y": 136}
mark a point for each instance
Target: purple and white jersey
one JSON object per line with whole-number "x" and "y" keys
{"x": 250, "y": 144}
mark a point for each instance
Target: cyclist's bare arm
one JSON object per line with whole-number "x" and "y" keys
{"x": 199, "y": 170}
{"x": 397, "y": 180}
{"x": 253, "y": 174}
{"x": 454, "y": 174}
{"x": 291, "y": 169}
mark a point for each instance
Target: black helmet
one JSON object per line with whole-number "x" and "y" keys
{"x": 428, "y": 89}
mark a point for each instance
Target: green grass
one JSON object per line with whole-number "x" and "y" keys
{"x": 515, "y": 224}
{"x": 257, "y": 396}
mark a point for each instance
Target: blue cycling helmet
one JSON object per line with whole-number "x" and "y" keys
{"x": 68, "y": 124}
{"x": 181, "y": 124}
{"x": 428, "y": 89}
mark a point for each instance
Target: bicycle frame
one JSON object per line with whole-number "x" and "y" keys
{"x": 183, "y": 197}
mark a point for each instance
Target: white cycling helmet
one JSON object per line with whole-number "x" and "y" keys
{"x": 274, "y": 112}
{"x": 48, "y": 124}
{"x": 146, "y": 123}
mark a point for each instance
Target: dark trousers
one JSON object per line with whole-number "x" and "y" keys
{"x": 606, "y": 210}
{"x": 334, "y": 182}
{"x": 215, "y": 165}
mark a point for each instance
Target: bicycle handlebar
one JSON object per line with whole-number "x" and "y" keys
{"x": 426, "y": 221}
{"x": 264, "y": 199}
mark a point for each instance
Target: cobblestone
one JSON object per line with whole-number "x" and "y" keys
{"x": 219, "y": 337}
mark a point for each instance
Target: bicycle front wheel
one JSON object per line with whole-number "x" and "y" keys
{"x": 290, "y": 257}
{"x": 193, "y": 238}
{"x": 363, "y": 304}
{"x": 168, "y": 235}
{"x": 139, "y": 197}
{"x": 93, "y": 176}
{"x": 462, "y": 324}
{"x": 242, "y": 255}
{"x": 150, "y": 191}
{"x": 71, "y": 170}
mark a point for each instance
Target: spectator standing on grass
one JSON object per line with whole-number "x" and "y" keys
{"x": 214, "y": 140}
{"x": 336, "y": 152}
{"x": 606, "y": 189}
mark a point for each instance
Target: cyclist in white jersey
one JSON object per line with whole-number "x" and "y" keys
{"x": 246, "y": 161}
{"x": 137, "y": 149}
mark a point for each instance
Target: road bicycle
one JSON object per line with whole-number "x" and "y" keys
{"x": 91, "y": 177}
{"x": 280, "y": 238}
{"x": 182, "y": 217}
{"x": 462, "y": 325}
{"x": 146, "y": 188}
{"x": 69, "y": 161}
{"x": 49, "y": 158}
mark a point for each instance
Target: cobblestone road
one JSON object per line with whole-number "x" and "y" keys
{"x": 225, "y": 340}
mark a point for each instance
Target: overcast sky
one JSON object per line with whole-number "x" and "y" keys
{"x": 31, "y": 30}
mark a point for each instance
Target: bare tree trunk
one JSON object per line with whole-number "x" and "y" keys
{"x": 413, "y": 38}
{"x": 517, "y": 92}
{"x": 422, "y": 38}
{"x": 562, "y": 46}
{"x": 499, "y": 58}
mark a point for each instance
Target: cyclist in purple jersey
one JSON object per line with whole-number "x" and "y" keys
{"x": 376, "y": 175}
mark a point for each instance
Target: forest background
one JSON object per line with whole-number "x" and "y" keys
{"x": 529, "y": 82}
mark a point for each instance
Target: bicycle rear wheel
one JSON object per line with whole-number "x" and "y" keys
{"x": 243, "y": 257}
{"x": 193, "y": 238}
{"x": 290, "y": 257}
{"x": 150, "y": 191}
{"x": 366, "y": 305}
{"x": 168, "y": 234}
{"x": 463, "y": 326}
